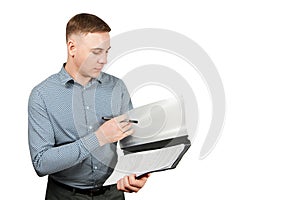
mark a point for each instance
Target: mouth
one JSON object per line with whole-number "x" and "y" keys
{"x": 98, "y": 68}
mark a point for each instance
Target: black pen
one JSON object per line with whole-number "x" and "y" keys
{"x": 126, "y": 120}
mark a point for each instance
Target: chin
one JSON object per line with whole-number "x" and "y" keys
{"x": 95, "y": 75}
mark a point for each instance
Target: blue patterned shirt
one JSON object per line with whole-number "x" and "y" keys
{"x": 62, "y": 118}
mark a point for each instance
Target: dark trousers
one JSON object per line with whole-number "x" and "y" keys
{"x": 56, "y": 192}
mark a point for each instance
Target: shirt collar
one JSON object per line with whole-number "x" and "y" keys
{"x": 99, "y": 78}
{"x": 66, "y": 78}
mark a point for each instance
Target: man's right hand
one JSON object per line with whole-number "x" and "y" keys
{"x": 114, "y": 130}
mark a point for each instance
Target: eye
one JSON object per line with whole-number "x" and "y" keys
{"x": 97, "y": 52}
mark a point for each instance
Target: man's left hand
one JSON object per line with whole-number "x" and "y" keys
{"x": 131, "y": 183}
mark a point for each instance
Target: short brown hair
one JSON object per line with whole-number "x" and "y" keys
{"x": 85, "y": 23}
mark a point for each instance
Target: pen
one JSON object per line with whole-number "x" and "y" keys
{"x": 127, "y": 120}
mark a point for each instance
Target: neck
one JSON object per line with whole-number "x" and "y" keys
{"x": 73, "y": 71}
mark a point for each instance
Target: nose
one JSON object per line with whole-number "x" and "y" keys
{"x": 102, "y": 59}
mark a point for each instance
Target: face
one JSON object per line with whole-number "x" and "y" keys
{"x": 90, "y": 54}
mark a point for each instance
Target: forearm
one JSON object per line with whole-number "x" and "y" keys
{"x": 48, "y": 160}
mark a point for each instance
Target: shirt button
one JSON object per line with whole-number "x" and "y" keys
{"x": 90, "y": 127}
{"x": 87, "y": 107}
{"x": 95, "y": 167}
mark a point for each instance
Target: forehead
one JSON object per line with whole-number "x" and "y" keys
{"x": 94, "y": 40}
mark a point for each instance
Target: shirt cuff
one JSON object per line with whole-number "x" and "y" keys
{"x": 90, "y": 142}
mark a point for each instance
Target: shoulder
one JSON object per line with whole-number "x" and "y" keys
{"x": 45, "y": 86}
{"x": 110, "y": 79}
{"x": 105, "y": 78}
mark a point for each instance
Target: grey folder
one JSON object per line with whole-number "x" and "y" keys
{"x": 157, "y": 122}
{"x": 159, "y": 142}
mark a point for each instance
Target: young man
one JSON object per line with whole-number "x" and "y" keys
{"x": 68, "y": 139}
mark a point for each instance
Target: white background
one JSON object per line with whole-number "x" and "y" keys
{"x": 255, "y": 46}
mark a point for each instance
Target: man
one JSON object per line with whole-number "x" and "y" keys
{"x": 68, "y": 139}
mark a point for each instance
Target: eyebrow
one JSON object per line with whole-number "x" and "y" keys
{"x": 98, "y": 48}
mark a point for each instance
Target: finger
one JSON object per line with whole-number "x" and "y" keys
{"x": 145, "y": 176}
{"x": 128, "y": 186}
{"x": 120, "y": 185}
{"x": 127, "y": 133}
{"x": 137, "y": 182}
{"x": 121, "y": 118}
{"x": 123, "y": 124}
{"x": 142, "y": 181}
{"x": 126, "y": 127}
{"x": 133, "y": 181}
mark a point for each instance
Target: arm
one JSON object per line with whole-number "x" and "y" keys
{"x": 46, "y": 157}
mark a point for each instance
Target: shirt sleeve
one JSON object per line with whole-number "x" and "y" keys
{"x": 46, "y": 157}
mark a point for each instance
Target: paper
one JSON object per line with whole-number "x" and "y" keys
{"x": 156, "y": 121}
{"x": 143, "y": 162}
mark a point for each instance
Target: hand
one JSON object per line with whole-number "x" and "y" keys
{"x": 131, "y": 183}
{"x": 114, "y": 130}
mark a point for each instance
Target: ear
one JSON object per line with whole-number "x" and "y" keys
{"x": 71, "y": 44}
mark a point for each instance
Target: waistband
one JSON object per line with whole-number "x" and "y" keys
{"x": 90, "y": 192}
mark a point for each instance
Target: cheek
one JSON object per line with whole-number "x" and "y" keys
{"x": 91, "y": 60}
{"x": 87, "y": 63}
{"x": 81, "y": 58}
